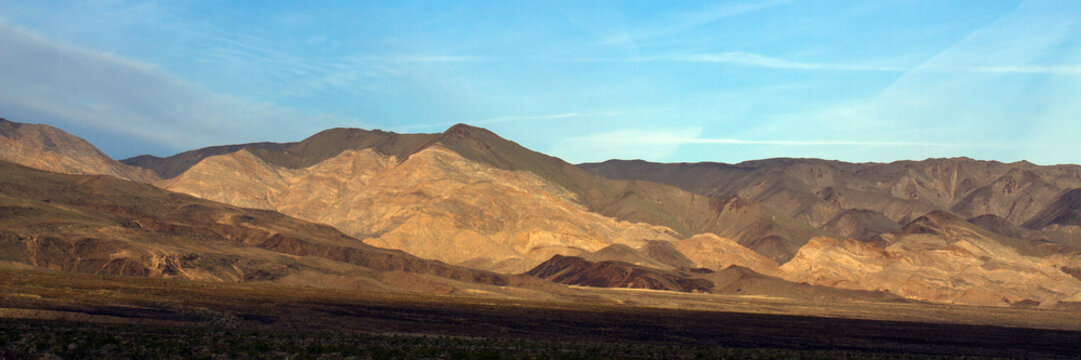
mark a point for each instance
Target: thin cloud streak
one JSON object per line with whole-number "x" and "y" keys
{"x": 643, "y": 137}
{"x": 1051, "y": 70}
{"x": 429, "y": 59}
{"x": 757, "y": 60}
{"x": 762, "y": 61}
{"x": 689, "y": 20}
{"x": 729, "y": 141}
{"x": 750, "y": 60}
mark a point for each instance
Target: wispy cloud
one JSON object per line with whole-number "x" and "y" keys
{"x": 741, "y": 58}
{"x": 427, "y": 59}
{"x": 662, "y": 144}
{"x": 79, "y": 86}
{"x": 1026, "y": 69}
{"x": 689, "y": 137}
{"x": 684, "y": 21}
{"x": 1009, "y": 88}
{"x": 281, "y": 74}
{"x": 757, "y": 60}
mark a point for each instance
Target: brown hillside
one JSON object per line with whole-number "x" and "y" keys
{"x": 99, "y": 224}
{"x": 940, "y": 257}
{"x": 313, "y": 150}
{"x": 337, "y": 191}
{"x": 48, "y": 148}
{"x": 573, "y": 270}
{"x": 817, "y": 191}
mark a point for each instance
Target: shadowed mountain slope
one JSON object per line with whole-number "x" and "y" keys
{"x": 1055, "y": 240}
{"x": 100, "y": 224}
{"x": 572, "y": 270}
{"x": 666, "y": 253}
{"x": 818, "y": 191}
{"x": 733, "y": 280}
{"x": 859, "y": 224}
{"x": 738, "y": 280}
{"x": 1064, "y": 211}
{"x": 48, "y": 148}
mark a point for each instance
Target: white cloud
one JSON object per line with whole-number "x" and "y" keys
{"x": 762, "y": 61}
{"x": 1028, "y": 69}
{"x": 662, "y": 144}
{"x": 757, "y": 60}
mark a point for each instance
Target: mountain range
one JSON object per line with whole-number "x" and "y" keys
{"x": 468, "y": 209}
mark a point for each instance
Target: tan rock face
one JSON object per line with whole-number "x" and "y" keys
{"x": 949, "y": 265}
{"x": 717, "y": 253}
{"x": 47, "y": 148}
{"x": 435, "y": 204}
{"x": 100, "y": 224}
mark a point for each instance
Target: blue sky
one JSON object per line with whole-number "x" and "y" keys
{"x": 584, "y": 81}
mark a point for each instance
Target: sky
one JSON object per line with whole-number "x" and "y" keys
{"x": 585, "y": 81}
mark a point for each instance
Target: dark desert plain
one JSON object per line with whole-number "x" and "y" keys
{"x": 752, "y": 179}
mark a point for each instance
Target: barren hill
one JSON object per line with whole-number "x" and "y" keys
{"x": 468, "y": 197}
{"x": 573, "y": 270}
{"x": 100, "y": 224}
{"x": 818, "y": 191}
{"x": 48, "y": 148}
{"x": 940, "y": 257}
{"x": 465, "y": 196}
{"x": 732, "y": 280}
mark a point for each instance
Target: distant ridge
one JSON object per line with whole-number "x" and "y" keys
{"x": 820, "y": 192}
{"x": 310, "y": 151}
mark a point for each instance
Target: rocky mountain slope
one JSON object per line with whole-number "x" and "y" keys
{"x": 468, "y": 197}
{"x": 48, "y": 148}
{"x": 574, "y": 270}
{"x": 858, "y": 200}
{"x": 943, "y": 258}
{"x": 732, "y": 280}
{"x": 101, "y": 224}
{"x": 435, "y": 204}
{"x": 941, "y": 230}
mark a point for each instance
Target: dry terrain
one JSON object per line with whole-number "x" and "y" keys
{"x": 391, "y": 237}
{"x": 231, "y": 317}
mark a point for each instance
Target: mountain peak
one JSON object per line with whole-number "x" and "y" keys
{"x": 462, "y": 128}
{"x": 45, "y": 147}
{"x": 473, "y": 133}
